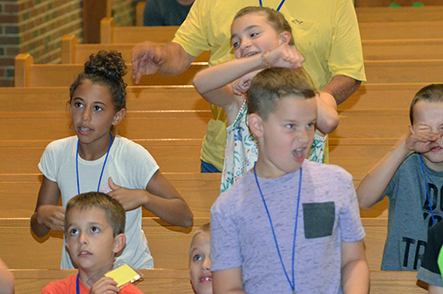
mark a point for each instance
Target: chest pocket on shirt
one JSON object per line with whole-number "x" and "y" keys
{"x": 305, "y": 33}
{"x": 318, "y": 219}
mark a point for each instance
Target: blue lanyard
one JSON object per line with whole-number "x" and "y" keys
{"x": 103, "y": 168}
{"x": 291, "y": 283}
{"x": 426, "y": 188}
{"x": 78, "y": 283}
{"x": 279, "y": 6}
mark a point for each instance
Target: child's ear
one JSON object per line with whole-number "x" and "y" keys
{"x": 285, "y": 37}
{"x": 256, "y": 125}
{"x": 120, "y": 242}
{"x": 119, "y": 116}
{"x": 411, "y": 129}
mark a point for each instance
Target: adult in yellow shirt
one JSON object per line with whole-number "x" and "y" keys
{"x": 325, "y": 32}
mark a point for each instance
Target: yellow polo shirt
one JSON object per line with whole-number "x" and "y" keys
{"x": 325, "y": 31}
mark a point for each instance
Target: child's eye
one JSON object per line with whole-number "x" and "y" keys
{"x": 290, "y": 126}
{"x": 254, "y": 34}
{"x": 95, "y": 230}
{"x": 310, "y": 125}
{"x": 197, "y": 257}
{"x": 73, "y": 232}
{"x": 78, "y": 104}
{"x": 236, "y": 45}
{"x": 98, "y": 108}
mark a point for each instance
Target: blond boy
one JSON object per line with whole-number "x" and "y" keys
{"x": 94, "y": 229}
{"x": 411, "y": 175}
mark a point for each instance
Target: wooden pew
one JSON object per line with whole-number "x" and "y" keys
{"x": 402, "y": 49}
{"x": 401, "y": 30}
{"x": 110, "y": 33}
{"x": 28, "y": 74}
{"x": 138, "y": 98}
{"x": 169, "y": 98}
{"x": 169, "y": 245}
{"x": 412, "y": 29}
{"x": 399, "y": 14}
{"x": 72, "y": 52}
{"x": 159, "y": 281}
{"x": 176, "y": 125}
{"x": 171, "y": 281}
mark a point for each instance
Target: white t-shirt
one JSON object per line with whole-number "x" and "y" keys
{"x": 128, "y": 164}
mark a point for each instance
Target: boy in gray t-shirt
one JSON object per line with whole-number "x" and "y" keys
{"x": 411, "y": 175}
{"x": 289, "y": 225}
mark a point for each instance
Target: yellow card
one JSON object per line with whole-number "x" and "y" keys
{"x": 123, "y": 275}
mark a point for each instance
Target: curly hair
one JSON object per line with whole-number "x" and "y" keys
{"x": 107, "y": 68}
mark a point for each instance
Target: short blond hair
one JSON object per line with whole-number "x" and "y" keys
{"x": 206, "y": 228}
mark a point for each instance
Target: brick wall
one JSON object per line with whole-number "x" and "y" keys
{"x": 123, "y": 11}
{"x": 37, "y": 27}
{"x": 9, "y": 40}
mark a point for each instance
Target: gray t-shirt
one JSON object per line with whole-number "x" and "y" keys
{"x": 409, "y": 214}
{"x": 241, "y": 235}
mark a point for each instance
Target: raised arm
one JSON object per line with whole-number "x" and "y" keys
{"x": 160, "y": 197}
{"x": 213, "y": 83}
{"x": 228, "y": 281}
{"x": 149, "y": 58}
{"x": 371, "y": 188}
{"x": 48, "y": 214}
{"x": 355, "y": 269}
{"x": 6, "y": 279}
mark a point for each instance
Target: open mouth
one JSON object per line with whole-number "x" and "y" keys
{"x": 205, "y": 279}
{"x": 251, "y": 54}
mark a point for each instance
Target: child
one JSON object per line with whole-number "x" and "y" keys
{"x": 94, "y": 226}
{"x": 200, "y": 261}
{"x": 264, "y": 36}
{"x": 411, "y": 175}
{"x": 97, "y": 160}
{"x": 290, "y": 225}
{"x": 429, "y": 271}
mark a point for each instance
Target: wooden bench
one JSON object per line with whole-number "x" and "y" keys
{"x": 170, "y": 281}
{"x": 72, "y": 52}
{"x": 401, "y": 30}
{"x": 408, "y": 49}
{"x": 159, "y": 281}
{"x": 28, "y": 74}
{"x": 169, "y": 245}
{"x": 399, "y": 14}
{"x": 110, "y": 33}
{"x": 169, "y": 98}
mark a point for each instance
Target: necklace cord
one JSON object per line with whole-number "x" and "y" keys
{"x": 426, "y": 188}
{"x": 103, "y": 168}
{"x": 292, "y": 284}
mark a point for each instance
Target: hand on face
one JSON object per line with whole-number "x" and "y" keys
{"x": 422, "y": 142}
{"x": 52, "y": 216}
